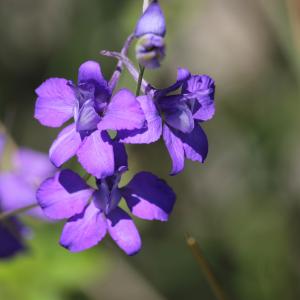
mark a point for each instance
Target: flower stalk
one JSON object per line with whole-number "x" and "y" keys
{"x": 206, "y": 268}
{"x": 17, "y": 211}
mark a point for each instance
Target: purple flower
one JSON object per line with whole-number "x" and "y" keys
{"x": 11, "y": 238}
{"x": 17, "y": 189}
{"x": 150, "y": 31}
{"x": 177, "y": 118}
{"x": 93, "y": 212}
{"x": 18, "y": 186}
{"x": 94, "y": 111}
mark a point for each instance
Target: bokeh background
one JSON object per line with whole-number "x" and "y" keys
{"x": 242, "y": 205}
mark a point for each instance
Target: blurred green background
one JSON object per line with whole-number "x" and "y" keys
{"x": 242, "y": 205}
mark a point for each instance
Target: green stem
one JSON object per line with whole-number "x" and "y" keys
{"x": 206, "y": 269}
{"x": 17, "y": 211}
{"x": 141, "y": 74}
{"x": 87, "y": 176}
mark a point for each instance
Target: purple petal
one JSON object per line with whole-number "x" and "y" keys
{"x": 201, "y": 90}
{"x": 195, "y": 144}
{"x": 16, "y": 192}
{"x": 65, "y": 145}
{"x": 85, "y": 230}
{"x": 152, "y": 21}
{"x": 179, "y": 116}
{"x": 120, "y": 157}
{"x": 182, "y": 75}
{"x": 63, "y": 195}
{"x": 90, "y": 71}
{"x": 123, "y": 112}
{"x": 55, "y": 102}
{"x": 96, "y": 154}
{"x": 123, "y": 231}
{"x": 149, "y": 197}
{"x": 152, "y": 130}
{"x": 88, "y": 118}
{"x": 34, "y": 165}
{"x": 175, "y": 148}
{"x": 11, "y": 238}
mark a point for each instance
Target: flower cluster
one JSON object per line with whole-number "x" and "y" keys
{"x": 103, "y": 121}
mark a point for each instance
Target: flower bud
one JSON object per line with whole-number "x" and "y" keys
{"x": 152, "y": 21}
{"x": 150, "y": 50}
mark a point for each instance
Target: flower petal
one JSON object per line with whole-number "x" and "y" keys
{"x": 123, "y": 112}
{"x": 149, "y": 197}
{"x": 201, "y": 90}
{"x": 179, "y": 116}
{"x": 175, "y": 148}
{"x": 195, "y": 144}
{"x": 63, "y": 195}
{"x": 90, "y": 71}
{"x": 96, "y": 154}
{"x": 84, "y": 230}
{"x": 16, "y": 192}
{"x": 88, "y": 118}
{"x": 65, "y": 145}
{"x": 152, "y": 21}
{"x": 55, "y": 102}
{"x": 151, "y": 132}
{"x": 123, "y": 231}
{"x": 33, "y": 165}
{"x": 11, "y": 238}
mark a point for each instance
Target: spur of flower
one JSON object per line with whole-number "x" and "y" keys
{"x": 94, "y": 212}
{"x": 94, "y": 110}
{"x": 177, "y": 117}
{"x": 17, "y": 190}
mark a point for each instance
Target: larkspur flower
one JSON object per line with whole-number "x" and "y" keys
{"x": 150, "y": 31}
{"x": 94, "y": 110}
{"x": 92, "y": 212}
{"x": 17, "y": 190}
{"x": 18, "y": 186}
{"x": 177, "y": 117}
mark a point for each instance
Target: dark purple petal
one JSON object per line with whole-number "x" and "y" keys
{"x": 151, "y": 132}
{"x": 149, "y": 197}
{"x": 90, "y": 71}
{"x": 120, "y": 157}
{"x": 84, "y": 230}
{"x": 33, "y": 165}
{"x": 63, "y": 195}
{"x": 152, "y": 21}
{"x": 201, "y": 89}
{"x": 195, "y": 144}
{"x": 88, "y": 118}
{"x": 11, "y": 238}
{"x": 123, "y": 231}
{"x": 96, "y": 154}
{"x": 182, "y": 75}
{"x": 55, "y": 102}
{"x": 180, "y": 117}
{"x": 16, "y": 192}
{"x": 175, "y": 148}
{"x": 65, "y": 145}
{"x": 123, "y": 112}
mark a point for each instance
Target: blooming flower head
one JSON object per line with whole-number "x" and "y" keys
{"x": 150, "y": 31}
{"x": 94, "y": 212}
{"x": 94, "y": 110}
{"x": 17, "y": 189}
{"x": 177, "y": 117}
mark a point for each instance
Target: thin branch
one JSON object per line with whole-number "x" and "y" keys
{"x": 17, "y": 211}
{"x": 205, "y": 267}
